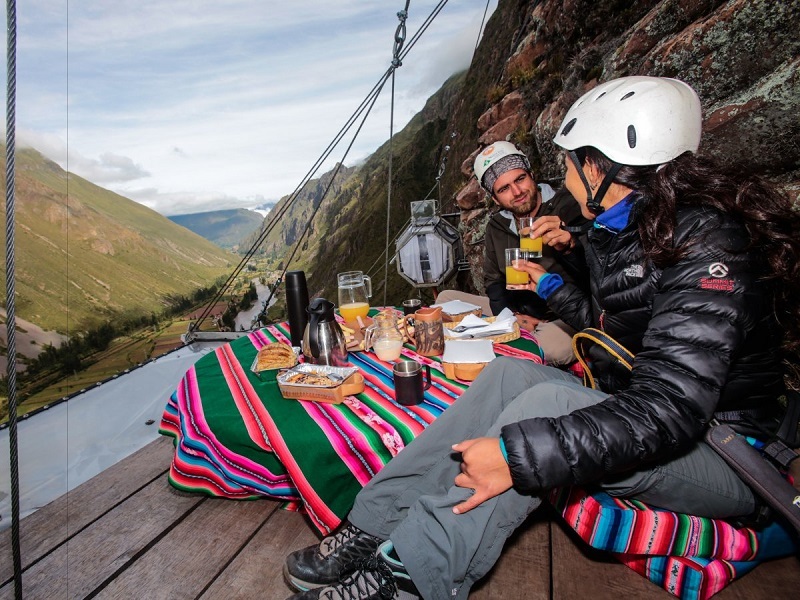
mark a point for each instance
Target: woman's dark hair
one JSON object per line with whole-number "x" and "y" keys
{"x": 770, "y": 218}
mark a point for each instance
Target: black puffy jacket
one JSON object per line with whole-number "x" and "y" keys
{"x": 704, "y": 337}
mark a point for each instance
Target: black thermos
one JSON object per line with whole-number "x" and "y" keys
{"x": 296, "y": 304}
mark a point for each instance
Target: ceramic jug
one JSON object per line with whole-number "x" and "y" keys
{"x": 428, "y": 331}
{"x": 323, "y": 340}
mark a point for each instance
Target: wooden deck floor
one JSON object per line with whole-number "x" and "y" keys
{"x": 128, "y": 534}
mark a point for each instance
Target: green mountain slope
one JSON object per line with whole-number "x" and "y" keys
{"x": 85, "y": 255}
{"x": 226, "y": 228}
{"x": 349, "y": 230}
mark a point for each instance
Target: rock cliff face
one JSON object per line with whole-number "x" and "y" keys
{"x": 537, "y": 57}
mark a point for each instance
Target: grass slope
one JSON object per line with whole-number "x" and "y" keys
{"x": 85, "y": 255}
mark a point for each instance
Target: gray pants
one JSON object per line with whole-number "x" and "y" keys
{"x": 411, "y": 498}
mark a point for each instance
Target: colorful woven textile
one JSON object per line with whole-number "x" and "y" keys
{"x": 690, "y": 557}
{"x": 237, "y": 437}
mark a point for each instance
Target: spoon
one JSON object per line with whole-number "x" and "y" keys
{"x": 462, "y": 328}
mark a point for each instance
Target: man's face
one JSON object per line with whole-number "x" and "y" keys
{"x": 516, "y": 191}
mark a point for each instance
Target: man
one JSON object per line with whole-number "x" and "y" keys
{"x": 504, "y": 172}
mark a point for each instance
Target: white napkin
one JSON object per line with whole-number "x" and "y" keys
{"x": 468, "y": 351}
{"x": 503, "y": 323}
{"x": 457, "y": 307}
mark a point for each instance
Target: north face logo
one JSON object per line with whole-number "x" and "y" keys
{"x": 634, "y": 271}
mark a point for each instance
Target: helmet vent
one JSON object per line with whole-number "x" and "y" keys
{"x": 631, "y": 136}
{"x": 626, "y": 96}
{"x": 568, "y": 127}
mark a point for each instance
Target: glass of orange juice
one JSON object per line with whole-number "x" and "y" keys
{"x": 532, "y": 245}
{"x": 514, "y": 277}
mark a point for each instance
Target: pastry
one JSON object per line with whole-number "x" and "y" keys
{"x": 276, "y": 356}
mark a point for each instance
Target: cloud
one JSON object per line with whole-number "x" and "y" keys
{"x": 197, "y": 103}
{"x": 180, "y": 203}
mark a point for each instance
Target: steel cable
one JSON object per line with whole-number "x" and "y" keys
{"x": 399, "y": 54}
{"x": 11, "y": 318}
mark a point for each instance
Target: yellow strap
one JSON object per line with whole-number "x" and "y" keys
{"x": 580, "y": 345}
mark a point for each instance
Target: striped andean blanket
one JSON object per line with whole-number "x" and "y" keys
{"x": 237, "y": 437}
{"x": 690, "y": 557}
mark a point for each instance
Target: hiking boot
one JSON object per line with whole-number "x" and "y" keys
{"x": 380, "y": 577}
{"x": 333, "y": 558}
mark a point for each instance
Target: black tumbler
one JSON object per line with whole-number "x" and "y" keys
{"x": 296, "y": 304}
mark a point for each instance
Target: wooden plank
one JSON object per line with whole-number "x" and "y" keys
{"x": 87, "y": 560}
{"x": 579, "y": 571}
{"x": 257, "y": 572}
{"x": 57, "y": 521}
{"x": 191, "y": 556}
{"x": 523, "y": 571}
{"x": 771, "y": 580}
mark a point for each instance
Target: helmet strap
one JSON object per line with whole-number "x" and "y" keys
{"x": 601, "y": 192}
{"x": 590, "y": 202}
{"x": 593, "y": 198}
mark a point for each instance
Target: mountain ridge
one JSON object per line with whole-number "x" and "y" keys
{"x": 226, "y": 228}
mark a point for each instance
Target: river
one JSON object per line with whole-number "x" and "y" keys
{"x": 244, "y": 319}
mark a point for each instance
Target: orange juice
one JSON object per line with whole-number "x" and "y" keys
{"x": 532, "y": 245}
{"x": 514, "y": 277}
{"x": 351, "y": 311}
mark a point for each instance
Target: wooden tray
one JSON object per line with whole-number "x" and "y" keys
{"x": 500, "y": 338}
{"x": 335, "y": 395}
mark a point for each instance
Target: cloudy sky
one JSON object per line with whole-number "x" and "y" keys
{"x": 194, "y": 105}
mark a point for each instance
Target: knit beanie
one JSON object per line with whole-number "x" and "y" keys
{"x": 507, "y": 163}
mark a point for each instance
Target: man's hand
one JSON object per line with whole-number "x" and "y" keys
{"x": 549, "y": 228}
{"x": 527, "y": 322}
{"x": 483, "y": 469}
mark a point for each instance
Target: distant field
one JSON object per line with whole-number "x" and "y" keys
{"x": 122, "y": 354}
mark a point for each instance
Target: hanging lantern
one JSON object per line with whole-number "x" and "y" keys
{"x": 428, "y": 250}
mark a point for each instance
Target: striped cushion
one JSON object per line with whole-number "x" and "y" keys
{"x": 690, "y": 557}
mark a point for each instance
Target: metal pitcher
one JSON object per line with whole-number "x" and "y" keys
{"x": 323, "y": 340}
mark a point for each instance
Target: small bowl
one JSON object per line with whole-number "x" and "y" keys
{"x": 463, "y": 371}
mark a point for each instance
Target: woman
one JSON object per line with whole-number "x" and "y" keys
{"x": 693, "y": 271}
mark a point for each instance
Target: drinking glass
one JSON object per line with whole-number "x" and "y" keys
{"x": 532, "y": 245}
{"x": 514, "y": 277}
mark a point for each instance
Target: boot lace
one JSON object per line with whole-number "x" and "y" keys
{"x": 373, "y": 580}
{"x": 348, "y": 546}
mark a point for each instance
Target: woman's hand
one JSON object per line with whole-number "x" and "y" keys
{"x": 549, "y": 229}
{"x": 535, "y": 272}
{"x": 483, "y": 469}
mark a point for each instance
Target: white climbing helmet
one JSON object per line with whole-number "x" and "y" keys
{"x": 635, "y": 120}
{"x": 488, "y": 166}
